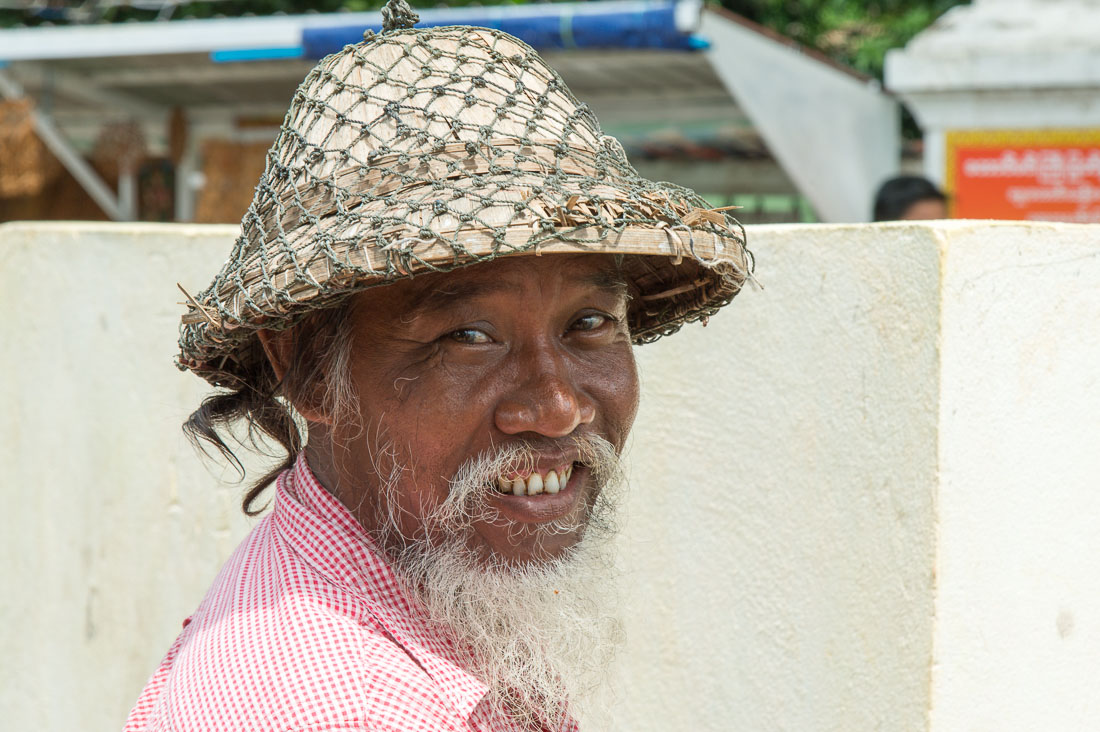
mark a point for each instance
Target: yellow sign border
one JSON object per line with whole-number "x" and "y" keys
{"x": 954, "y": 139}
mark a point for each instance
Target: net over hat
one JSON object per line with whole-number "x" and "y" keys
{"x": 424, "y": 150}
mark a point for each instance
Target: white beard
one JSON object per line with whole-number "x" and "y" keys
{"x": 541, "y": 635}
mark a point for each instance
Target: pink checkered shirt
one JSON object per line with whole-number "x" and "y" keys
{"x": 306, "y": 628}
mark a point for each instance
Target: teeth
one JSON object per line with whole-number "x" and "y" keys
{"x": 536, "y": 484}
{"x": 565, "y": 476}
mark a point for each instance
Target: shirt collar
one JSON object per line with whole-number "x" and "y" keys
{"x": 326, "y": 535}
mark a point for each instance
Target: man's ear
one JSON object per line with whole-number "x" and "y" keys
{"x": 279, "y": 347}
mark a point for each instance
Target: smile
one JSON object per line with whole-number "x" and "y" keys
{"x": 538, "y": 508}
{"x": 552, "y": 481}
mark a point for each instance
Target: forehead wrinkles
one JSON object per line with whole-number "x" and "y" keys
{"x": 449, "y": 294}
{"x": 445, "y": 296}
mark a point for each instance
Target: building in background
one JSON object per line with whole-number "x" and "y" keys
{"x": 1008, "y": 95}
{"x": 171, "y": 120}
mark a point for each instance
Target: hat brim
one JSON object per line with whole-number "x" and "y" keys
{"x": 676, "y": 277}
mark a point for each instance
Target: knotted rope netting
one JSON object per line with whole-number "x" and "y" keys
{"x": 429, "y": 149}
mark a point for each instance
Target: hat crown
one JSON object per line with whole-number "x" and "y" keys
{"x": 420, "y": 91}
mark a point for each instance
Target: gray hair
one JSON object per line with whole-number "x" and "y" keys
{"x": 260, "y": 411}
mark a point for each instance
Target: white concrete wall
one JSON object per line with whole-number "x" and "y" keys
{"x": 1017, "y": 633}
{"x": 782, "y": 513}
{"x": 864, "y": 498}
{"x": 112, "y": 529}
{"x": 877, "y": 505}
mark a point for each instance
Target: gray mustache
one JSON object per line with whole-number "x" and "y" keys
{"x": 590, "y": 450}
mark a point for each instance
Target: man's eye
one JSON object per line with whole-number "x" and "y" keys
{"x": 469, "y": 336}
{"x": 591, "y": 322}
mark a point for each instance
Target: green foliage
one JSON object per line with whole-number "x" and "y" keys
{"x": 854, "y": 32}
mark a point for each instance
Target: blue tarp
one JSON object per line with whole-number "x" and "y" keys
{"x": 556, "y": 28}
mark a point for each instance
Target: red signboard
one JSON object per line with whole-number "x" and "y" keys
{"x": 1037, "y": 175}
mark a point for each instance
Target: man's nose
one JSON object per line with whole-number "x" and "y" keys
{"x": 546, "y": 399}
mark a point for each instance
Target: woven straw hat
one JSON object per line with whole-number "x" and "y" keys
{"x": 429, "y": 149}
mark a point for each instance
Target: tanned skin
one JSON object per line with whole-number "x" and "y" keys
{"x": 449, "y": 365}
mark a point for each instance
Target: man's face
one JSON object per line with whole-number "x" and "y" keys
{"x": 449, "y": 367}
{"x": 926, "y": 209}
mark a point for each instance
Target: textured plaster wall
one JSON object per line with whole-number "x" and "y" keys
{"x": 1018, "y": 611}
{"x": 863, "y": 498}
{"x": 784, "y": 466}
{"x": 112, "y": 529}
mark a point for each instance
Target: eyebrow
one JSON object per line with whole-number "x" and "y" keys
{"x": 446, "y": 296}
{"x": 610, "y": 281}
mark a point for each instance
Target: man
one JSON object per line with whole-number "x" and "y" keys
{"x": 909, "y": 198}
{"x": 441, "y": 277}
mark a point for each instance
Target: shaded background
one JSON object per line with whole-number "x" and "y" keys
{"x": 183, "y": 131}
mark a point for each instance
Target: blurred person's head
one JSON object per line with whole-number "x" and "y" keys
{"x": 909, "y": 198}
